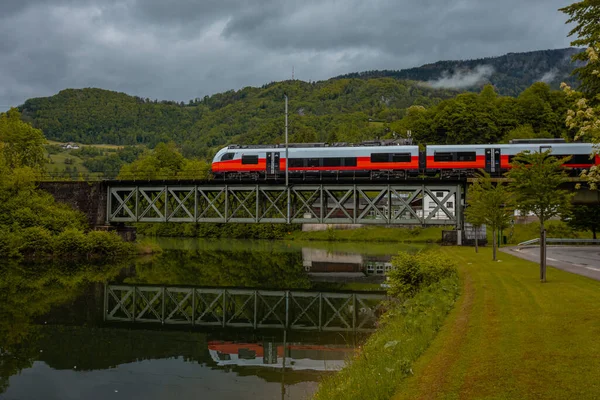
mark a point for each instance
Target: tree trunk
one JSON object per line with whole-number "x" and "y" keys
{"x": 477, "y": 239}
{"x": 542, "y": 252}
{"x": 594, "y": 233}
{"x": 495, "y": 243}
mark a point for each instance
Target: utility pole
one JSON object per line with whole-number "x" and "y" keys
{"x": 286, "y": 141}
{"x": 287, "y": 164}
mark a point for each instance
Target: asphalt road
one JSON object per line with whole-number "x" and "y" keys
{"x": 582, "y": 260}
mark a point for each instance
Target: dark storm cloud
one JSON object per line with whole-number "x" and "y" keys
{"x": 188, "y": 48}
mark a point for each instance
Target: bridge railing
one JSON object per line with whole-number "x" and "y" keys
{"x": 536, "y": 241}
{"x": 242, "y": 308}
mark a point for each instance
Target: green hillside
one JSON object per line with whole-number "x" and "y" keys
{"x": 349, "y": 109}
{"x": 510, "y": 74}
{"x": 336, "y": 109}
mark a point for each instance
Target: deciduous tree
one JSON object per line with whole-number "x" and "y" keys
{"x": 585, "y": 218}
{"x": 489, "y": 203}
{"x": 535, "y": 180}
{"x": 583, "y": 117}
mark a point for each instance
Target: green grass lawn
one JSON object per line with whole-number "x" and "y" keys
{"x": 512, "y": 337}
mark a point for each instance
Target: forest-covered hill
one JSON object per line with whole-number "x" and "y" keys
{"x": 369, "y": 106}
{"x": 320, "y": 111}
{"x": 510, "y": 74}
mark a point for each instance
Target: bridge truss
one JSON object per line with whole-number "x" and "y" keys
{"x": 242, "y": 308}
{"x": 426, "y": 204}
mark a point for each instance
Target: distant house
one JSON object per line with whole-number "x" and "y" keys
{"x": 70, "y": 146}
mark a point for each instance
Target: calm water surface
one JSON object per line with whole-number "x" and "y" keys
{"x": 55, "y": 344}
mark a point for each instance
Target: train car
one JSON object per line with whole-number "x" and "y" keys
{"x": 316, "y": 160}
{"x": 454, "y": 161}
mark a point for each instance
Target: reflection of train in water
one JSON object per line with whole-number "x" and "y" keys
{"x": 380, "y": 160}
{"x": 270, "y": 354}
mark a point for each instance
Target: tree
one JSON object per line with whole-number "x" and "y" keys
{"x": 491, "y": 204}
{"x": 535, "y": 180}
{"x": 584, "y": 115}
{"x": 21, "y": 145}
{"x": 164, "y": 162}
{"x": 586, "y": 14}
{"x": 585, "y": 218}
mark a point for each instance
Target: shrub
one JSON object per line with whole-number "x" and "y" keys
{"x": 107, "y": 244}
{"x": 36, "y": 240}
{"x": 412, "y": 272}
{"x": 71, "y": 242}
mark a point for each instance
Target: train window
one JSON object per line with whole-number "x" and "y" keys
{"x": 332, "y": 162}
{"x": 227, "y": 156}
{"x": 466, "y": 156}
{"x": 296, "y": 162}
{"x": 250, "y": 159}
{"x": 579, "y": 159}
{"x": 313, "y": 162}
{"x": 442, "y": 156}
{"x": 380, "y": 157}
{"x": 401, "y": 157}
{"x": 350, "y": 162}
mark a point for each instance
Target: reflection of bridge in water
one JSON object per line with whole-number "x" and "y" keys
{"x": 243, "y": 308}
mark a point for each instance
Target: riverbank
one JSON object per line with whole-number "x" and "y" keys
{"x": 373, "y": 234}
{"x": 423, "y": 289}
{"x": 510, "y": 336}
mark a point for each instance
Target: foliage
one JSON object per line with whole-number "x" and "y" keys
{"x": 586, "y": 14}
{"x": 518, "y": 233}
{"x": 490, "y": 204}
{"x": 21, "y": 144}
{"x": 488, "y": 118}
{"x": 343, "y": 110}
{"x": 389, "y": 354}
{"x": 583, "y": 117}
{"x": 413, "y": 272}
{"x": 585, "y": 218}
{"x": 164, "y": 162}
{"x": 31, "y": 222}
{"x": 535, "y": 180}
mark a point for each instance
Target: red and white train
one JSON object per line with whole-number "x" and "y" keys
{"x": 387, "y": 161}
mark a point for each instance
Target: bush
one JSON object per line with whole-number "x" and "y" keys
{"x": 413, "y": 272}
{"x": 106, "y": 244}
{"x": 71, "y": 242}
{"x": 35, "y": 241}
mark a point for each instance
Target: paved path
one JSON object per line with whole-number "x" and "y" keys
{"x": 582, "y": 260}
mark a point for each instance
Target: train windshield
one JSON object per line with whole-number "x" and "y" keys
{"x": 227, "y": 156}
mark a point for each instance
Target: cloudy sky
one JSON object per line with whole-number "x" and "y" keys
{"x": 182, "y": 49}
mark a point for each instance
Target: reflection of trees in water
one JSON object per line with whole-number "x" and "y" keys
{"x": 29, "y": 291}
{"x": 264, "y": 269}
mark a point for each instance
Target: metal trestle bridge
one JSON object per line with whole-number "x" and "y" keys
{"x": 416, "y": 204}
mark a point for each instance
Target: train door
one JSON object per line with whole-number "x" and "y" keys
{"x": 492, "y": 161}
{"x": 272, "y": 163}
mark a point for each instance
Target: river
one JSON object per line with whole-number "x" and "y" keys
{"x": 67, "y": 331}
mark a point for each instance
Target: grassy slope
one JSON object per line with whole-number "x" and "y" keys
{"x": 511, "y": 337}
{"x": 373, "y": 234}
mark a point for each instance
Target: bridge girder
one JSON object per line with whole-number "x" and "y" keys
{"x": 386, "y": 204}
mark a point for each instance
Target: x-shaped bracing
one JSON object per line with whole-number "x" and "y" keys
{"x": 122, "y": 203}
{"x": 306, "y": 204}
